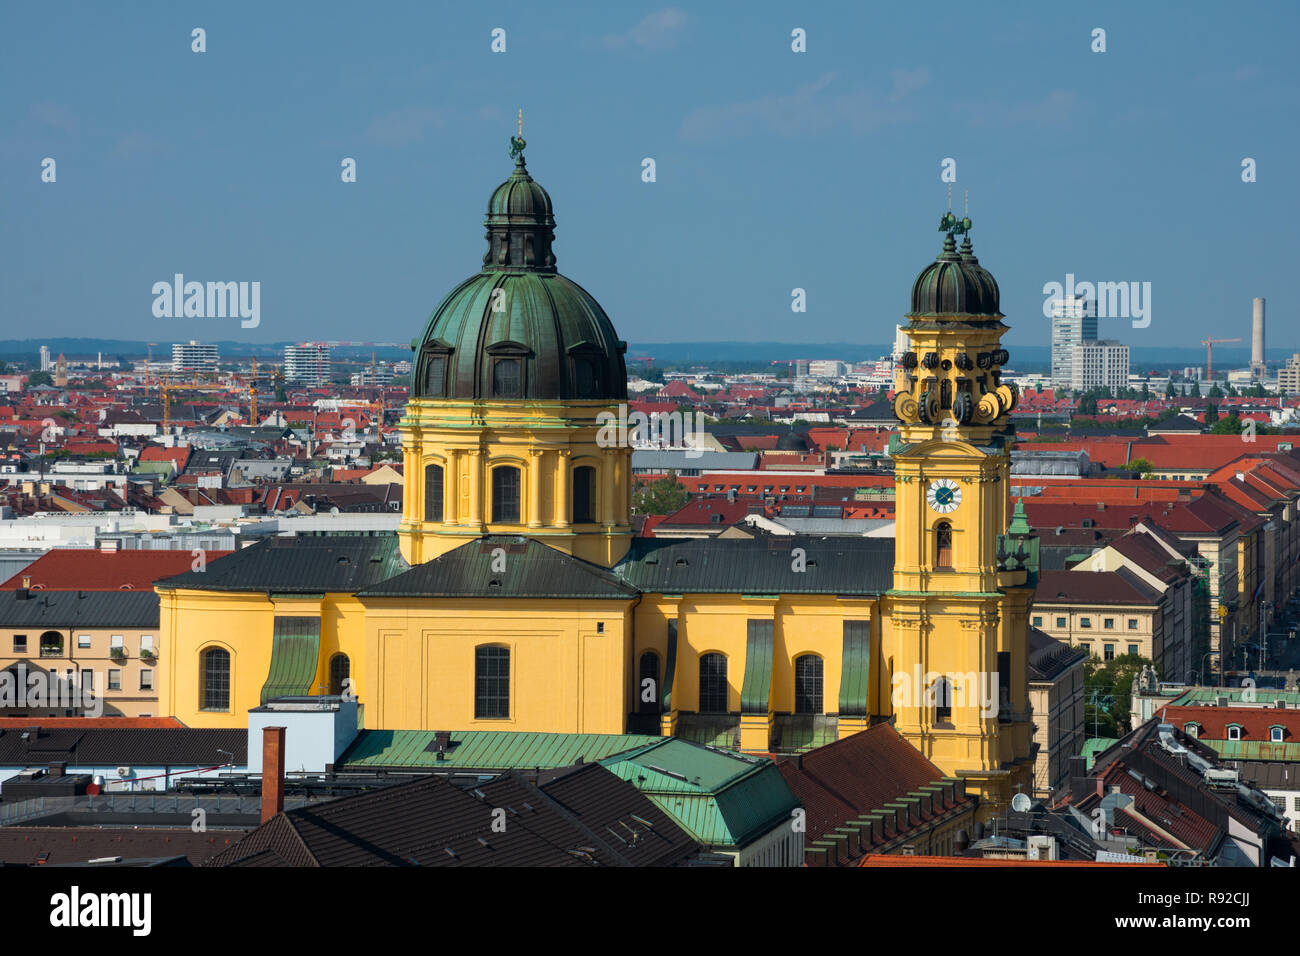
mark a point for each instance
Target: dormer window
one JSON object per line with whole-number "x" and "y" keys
{"x": 1234, "y": 731}
{"x": 508, "y": 369}
{"x": 431, "y": 381}
{"x": 1192, "y": 730}
{"x": 1276, "y": 733}
{"x": 507, "y": 381}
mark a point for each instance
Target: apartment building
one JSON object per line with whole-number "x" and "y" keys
{"x": 1105, "y": 613}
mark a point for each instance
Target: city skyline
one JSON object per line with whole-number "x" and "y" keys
{"x": 1099, "y": 171}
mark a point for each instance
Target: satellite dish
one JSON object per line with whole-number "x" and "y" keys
{"x": 1021, "y": 803}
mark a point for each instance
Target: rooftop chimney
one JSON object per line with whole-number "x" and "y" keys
{"x": 272, "y": 772}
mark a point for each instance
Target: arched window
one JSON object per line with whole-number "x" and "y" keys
{"x": 943, "y": 545}
{"x": 505, "y": 495}
{"x": 214, "y": 672}
{"x": 808, "y": 684}
{"x": 491, "y": 683}
{"x": 340, "y": 670}
{"x": 648, "y": 694}
{"x": 713, "y": 684}
{"x": 584, "y": 495}
{"x": 51, "y": 644}
{"x": 432, "y": 492}
{"x": 942, "y": 690}
{"x": 506, "y": 379}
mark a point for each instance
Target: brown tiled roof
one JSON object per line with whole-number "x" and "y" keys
{"x": 1093, "y": 587}
{"x": 430, "y": 822}
{"x": 855, "y": 775}
{"x": 78, "y": 845}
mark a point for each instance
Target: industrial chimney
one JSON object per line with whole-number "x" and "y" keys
{"x": 1257, "y": 341}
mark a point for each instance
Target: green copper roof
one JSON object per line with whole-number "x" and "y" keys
{"x": 956, "y": 284}
{"x": 723, "y": 799}
{"x": 554, "y": 338}
{"x": 855, "y": 676}
{"x": 756, "y": 689}
{"x": 1095, "y": 745}
{"x": 487, "y": 750}
{"x": 1265, "y": 750}
{"x": 295, "y": 650}
{"x": 1236, "y": 696}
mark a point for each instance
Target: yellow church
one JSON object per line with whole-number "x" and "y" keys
{"x": 515, "y": 596}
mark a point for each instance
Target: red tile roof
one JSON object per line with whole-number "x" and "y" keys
{"x": 84, "y": 569}
{"x": 1253, "y": 721}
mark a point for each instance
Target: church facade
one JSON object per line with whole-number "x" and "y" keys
{"x": 516, "y": 598}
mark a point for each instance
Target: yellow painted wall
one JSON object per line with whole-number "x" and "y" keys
{"x": 243, "y": 624}
{"x": 546, "y": 441}
{"x": 565, "y": 676}
{"x": 719, "y": 623}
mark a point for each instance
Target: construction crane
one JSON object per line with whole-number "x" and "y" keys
{"x": 148, "y": 359}
{"x": 1209, "y": 356}
{"x": 167, "y": 389}
{"x": 252, "y": 395}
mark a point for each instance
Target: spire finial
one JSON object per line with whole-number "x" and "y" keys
{"x": 966, "y": 212}
{"x": 950, "y": 197}
{"x": 517, "y": 143}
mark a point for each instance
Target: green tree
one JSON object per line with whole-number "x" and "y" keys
{"x": 1170, "y": 391}
{"x": 1108, "y": 693}
{"x": 1145, "y": 394}
{"x": 1141, "y": 465}
{"x": 660, "y": 497}
{"x": 1211, "y": 414}
{"x": 1227, "y": 425}
{"x": 39, "y": 378}
{"x": 1088, "y": 405}
{"x": 1214, "y": 392}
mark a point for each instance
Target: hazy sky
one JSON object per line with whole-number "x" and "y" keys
{"x": 775, "y": 170}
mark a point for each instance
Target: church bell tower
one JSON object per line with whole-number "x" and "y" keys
{"x": 956, "y": 648}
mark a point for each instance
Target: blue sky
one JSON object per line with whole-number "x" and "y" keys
{"x": 775, "y": 170}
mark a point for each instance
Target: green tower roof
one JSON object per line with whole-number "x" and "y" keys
{"x": 955, "y": 283}
{"x": 519, "y": 329}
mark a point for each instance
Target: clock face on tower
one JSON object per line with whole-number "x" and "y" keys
{"x": 943, "y": 495}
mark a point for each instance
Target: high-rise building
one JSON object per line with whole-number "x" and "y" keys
{"x": 379, "y": 375}
{"x": 45, "y": 358}
{"x": 194, "y": 357}
{"x": 901, "y": 343}
{"x": 1288, "y": 376}
{"x": 825, "y": 368}
{"x": 1097, "y": 363}
{"x": 1073, "y": 321}
{"x": 307, "y": 364}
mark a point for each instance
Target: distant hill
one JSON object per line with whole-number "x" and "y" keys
{"x": 1024, "y": 358}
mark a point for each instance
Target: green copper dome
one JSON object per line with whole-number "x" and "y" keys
{"x": 519, "y": 329}
{"x": 956, "y": 284}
